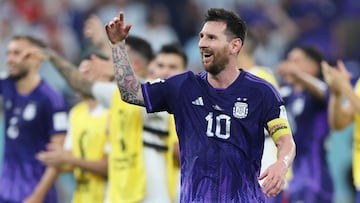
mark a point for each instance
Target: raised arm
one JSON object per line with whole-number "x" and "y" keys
{"x": 71, "y": 74}
{"x": 338, "y": 79}
{"x": 68, "y": 70}
{"x": 315, "y": 86}
{"x": 126, "y": 80}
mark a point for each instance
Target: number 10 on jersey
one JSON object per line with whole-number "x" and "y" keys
{"x": 219, "y": 127}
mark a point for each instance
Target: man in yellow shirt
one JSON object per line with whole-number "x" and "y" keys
{"x": 126, "y": 172}
{"x": 342, "y": 115}
{"x": 85, "y": 146}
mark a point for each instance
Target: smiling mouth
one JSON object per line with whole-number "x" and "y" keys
{"x": 206, "y": 57}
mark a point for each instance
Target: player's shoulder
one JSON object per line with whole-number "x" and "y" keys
{"x": 80, "y": 106}
{"x": 47, "y": 89}
{"x": 184, "y": 75}
{"x": 178, "y": 79}
{"x": 50, "y": 94}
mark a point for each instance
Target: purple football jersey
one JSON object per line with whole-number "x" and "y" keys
{"x": 311, "y": 174}
{"x": 30, "y": 121}
{"x": 221, "y": 133}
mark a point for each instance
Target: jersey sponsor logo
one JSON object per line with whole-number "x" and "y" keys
{"x": 240, "y": 110}
{"x": 29, "y": 112}
{"x": 198, "y": 102}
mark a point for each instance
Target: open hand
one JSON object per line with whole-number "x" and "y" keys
{"x": 274, "y": 178}
{"x": 54, "y": 156}
{"x": 336, "y": 77}
{"x": 116, "y": 29}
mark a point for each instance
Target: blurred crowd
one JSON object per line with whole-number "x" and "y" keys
{"x": 330, "y": 26}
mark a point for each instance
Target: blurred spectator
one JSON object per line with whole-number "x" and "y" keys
{"x": 340, "y": 163}
{"x": 342, "y": 114}
{"x": 84, "y": 151}
{"x": 135, "y": 10}
{"x": 35, "y": 115}
{"x": 314, "y": 20}
{"x": 10, "y": 23}
{"x": 345, "y": 31}
{"x": 157, "y": 29}
{"x": 274, "y": 30}
{"x": 95, "y": 36}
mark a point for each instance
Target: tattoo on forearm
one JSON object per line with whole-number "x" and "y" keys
{"x": 72, "y": 76}
{"x": 129, "y": 86}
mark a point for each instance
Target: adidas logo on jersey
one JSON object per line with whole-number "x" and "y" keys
{"x": 199, "y": 101}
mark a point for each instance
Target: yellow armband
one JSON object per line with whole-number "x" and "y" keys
{"x": 278, "y": 127}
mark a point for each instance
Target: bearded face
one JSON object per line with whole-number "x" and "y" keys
{"x": 21, "y": 72}
{"x": 214, "y": 61}
{"x": 214, "y": 47}
{"x": 18, "y": 65}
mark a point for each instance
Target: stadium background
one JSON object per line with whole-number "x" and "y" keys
{"x": 333, "y": 26}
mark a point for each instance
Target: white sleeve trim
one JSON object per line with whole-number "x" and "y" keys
{"x": 68, "y": 139}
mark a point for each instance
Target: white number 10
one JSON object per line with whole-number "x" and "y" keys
{"x": 210, "y": 133}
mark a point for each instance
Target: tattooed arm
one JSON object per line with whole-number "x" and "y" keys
{"x": 71, "y": 74}
{"x": 127, "y": 82}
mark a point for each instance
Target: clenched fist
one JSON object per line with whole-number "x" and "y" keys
{"x": 116, "y": 29}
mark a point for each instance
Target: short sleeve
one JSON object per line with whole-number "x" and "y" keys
{"x": 274, "y": 105}
{"x": 68, "y": 140}
{"x": 162, "y": 95}
{"x": 56, "y": 111}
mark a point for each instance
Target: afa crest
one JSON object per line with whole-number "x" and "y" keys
{"x": 240, "y": 110}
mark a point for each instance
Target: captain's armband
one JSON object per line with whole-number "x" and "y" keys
{"x": 278, "y": 127}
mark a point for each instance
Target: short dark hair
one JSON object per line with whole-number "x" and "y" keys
{"x": 315, "y": 55}
{"x": 33, "y": 40}
{"x": 235, "y": 26}
{"x": 140, "y": 46}
{"x": 174, "y": 48}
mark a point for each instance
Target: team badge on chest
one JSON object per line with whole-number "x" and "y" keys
{"x": 240, "y": 110}
{"x": 29, "y": 112}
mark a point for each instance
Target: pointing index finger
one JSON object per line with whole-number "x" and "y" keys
{"x": 121, "y": 16}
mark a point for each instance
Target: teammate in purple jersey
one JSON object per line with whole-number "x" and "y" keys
{"x": 35, "y": 115}
{"x": 305, "y": 95}
{"x": 220, "y": 115}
